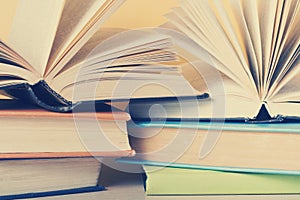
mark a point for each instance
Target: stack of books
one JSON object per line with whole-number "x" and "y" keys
{"x": 186, "y": 158}
{"x": 241, "y": 137}
{"x": 60, "y": 71}
{"x": 228, "y": 124}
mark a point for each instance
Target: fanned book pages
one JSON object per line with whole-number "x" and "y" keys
{"x": 254, "y": 45}
{"x": 52, "y": 47}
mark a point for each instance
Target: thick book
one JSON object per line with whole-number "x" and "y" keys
{"x": 30, "y": 129}
{"x": 244, "y": 54}
{"x": 28, "y": 176}
{"x": 181, "y": 181}
{"x": 238, "y": 147}
{"x": 56, "y": 55}
{"x": 47, "y": 153}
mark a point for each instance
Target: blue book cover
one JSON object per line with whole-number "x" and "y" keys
{"x": 226, "y": 126}
{"x": 53, "y": 193}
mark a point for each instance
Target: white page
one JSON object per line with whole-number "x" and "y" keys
{"x": 75, "y": 17}
{"x": 7, "y": 14}
{"x": 33, "y": 30}
{"x": 96, "y": 15}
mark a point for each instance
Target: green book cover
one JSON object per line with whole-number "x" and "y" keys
{"x": 180, "y": 181}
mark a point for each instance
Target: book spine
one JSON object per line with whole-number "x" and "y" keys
{"x": 40, "y": 94}
{"x": 264, "y": 116}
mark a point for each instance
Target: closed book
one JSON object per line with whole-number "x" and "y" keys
{"x": 28, "y": 176}
{"x": 268, "y": 148}
{"x": 47, "y": 153}
{"x": 29, "y": 129}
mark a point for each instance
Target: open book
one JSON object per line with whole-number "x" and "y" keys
{"x": 53, "y": 47}
{"x": 254, "y": 45}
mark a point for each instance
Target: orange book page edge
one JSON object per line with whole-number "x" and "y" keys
{"x": 40, "y": 155}
{"x": 37, "y": 113}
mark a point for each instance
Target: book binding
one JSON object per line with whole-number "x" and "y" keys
{"x": 40, "y": 94}
{"x": 263, "y": 116}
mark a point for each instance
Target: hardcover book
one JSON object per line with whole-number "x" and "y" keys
{"x": 27, "y": 128}
{"x": 44, "y": 153}
{"x": 237, "y": 147}
{"x": 27, "y": 176}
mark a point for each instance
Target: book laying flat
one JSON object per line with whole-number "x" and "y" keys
{"x": 200, "y": 107}
{"x": 30, "y": 177}
{"x": 181, "y": 181}
{"x": 72, "y": 53}
{"x": 46, "y": 153}
{"x": 244, "y": 54}
{"x": 237, "y": 147}
{"x": 30, "y": 129}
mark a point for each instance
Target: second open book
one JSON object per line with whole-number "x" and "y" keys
{"x": 254, "y": 46}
